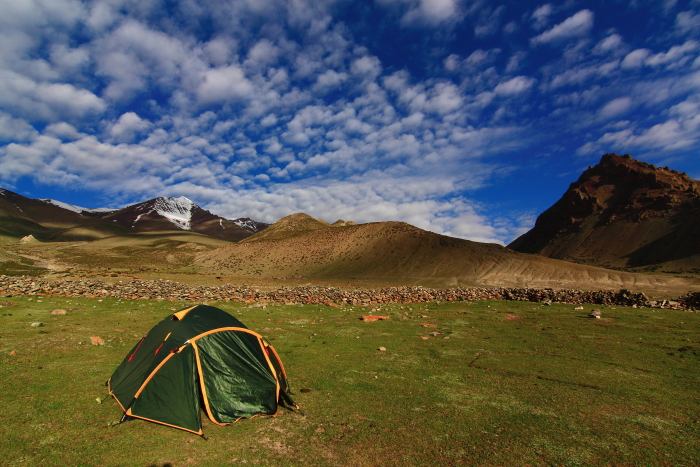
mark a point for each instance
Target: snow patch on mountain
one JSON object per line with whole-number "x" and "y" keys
{"x": 247, "y": 223}
{"x": 139, "y": 217}
{"x": 176, "y": 210}
{"x": 74, "y": 208}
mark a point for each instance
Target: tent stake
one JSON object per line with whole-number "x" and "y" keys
{"x": 125, "y": 418}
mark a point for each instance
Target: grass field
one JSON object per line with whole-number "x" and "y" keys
{"x": 502, "y": 384}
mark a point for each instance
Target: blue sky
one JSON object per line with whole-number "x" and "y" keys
{"x": 466, "y": 118}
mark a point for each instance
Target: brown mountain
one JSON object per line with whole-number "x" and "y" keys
{"x": 50, "y": 220}
{"x": 299, "y": 246}
{"x": 622, "y": 213}
{"x": 20, "y": 216}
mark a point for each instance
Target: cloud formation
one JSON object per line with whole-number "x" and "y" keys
{"x": 440, "y": 113}
{"x": 577, "y": 25}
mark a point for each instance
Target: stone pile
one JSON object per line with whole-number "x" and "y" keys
{"x": 690, "y": 301}
{"x": 175, "y": 291}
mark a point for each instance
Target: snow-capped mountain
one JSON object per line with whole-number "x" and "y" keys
{"x": 74, "y": 208}
{"x": 58, "y": 221}
{"x": 176, "y": 210}
{"x": 164, "y": 213}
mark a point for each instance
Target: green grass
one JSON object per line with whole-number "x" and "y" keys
{"x": 21, "y": 268}
{"x": 515, "y": 384}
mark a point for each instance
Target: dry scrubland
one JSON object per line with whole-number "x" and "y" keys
{"x": 493, "y": 383}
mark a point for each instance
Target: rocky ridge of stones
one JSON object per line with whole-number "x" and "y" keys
{"x": 331, "y": 296}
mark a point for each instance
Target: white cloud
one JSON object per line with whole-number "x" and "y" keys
{"x": 430, "y": 12}
{"x": 63, "y": 130}
{"x": 46, "y": 101}
{"x": 330, "y": 79}
{"x": 222, "y": 84}
{"x": 269, "y": 120}
{"x": 516, "y": 85}
{"x": 128, "y": 126}
{"x": 577, "y": 25}
{"x": 687, "y": 22}
{"x": 581, "y": 74}
{"x": 615, "y": 107}
{"x": 680, "y": 131}
{"x": 220, "y": 50}
{"x": 102, "y": 15}
{"x": 635, "y": 59}
{"x": 134, "y": 55}
{"x": 441, "y": 99}
{"x": 70, "y": 62}
{"x": 510, "y": 28}
{"x": 676, "y": 55}
{"x": 515, "y": 61}
{"x": 540, "y": 17}
{"x": 489, "y": 24}
{"x": 17, "y": 160}
{"x": 367, "y": 66}
{"x": 15, "y": 129}
{"x": 611, "y": 44}
{"x": 669, "y": 5}
{"x": 476, "y": 66}
{"x": 264, "y": 53}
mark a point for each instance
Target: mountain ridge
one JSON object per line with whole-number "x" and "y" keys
{"x": 52, "y": 220}
{"x": 622, "y": 213}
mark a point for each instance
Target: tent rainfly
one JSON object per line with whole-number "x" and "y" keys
{"x": 200, "y": 355}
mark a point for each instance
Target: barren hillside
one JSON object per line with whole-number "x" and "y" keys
{"x": 622, "y": 213}
{"x": 405, "y": 254}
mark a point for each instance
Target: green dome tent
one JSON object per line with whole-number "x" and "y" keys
{"x": 200, "y": 355}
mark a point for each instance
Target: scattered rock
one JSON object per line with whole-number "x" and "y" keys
{"x": 37, "y": 325}
{"x": 138, "y": 289}
{"x": 97, "y": 340}
{"x": 426, "y": 325}
{"x": 369, "y": 319}
{"x": 13, "y": 352}
{"x": 578, "y": 308}
{"x": 595, "y": 314}
{"x": 58, "y": 312}
{"x": 382, "y": 349}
